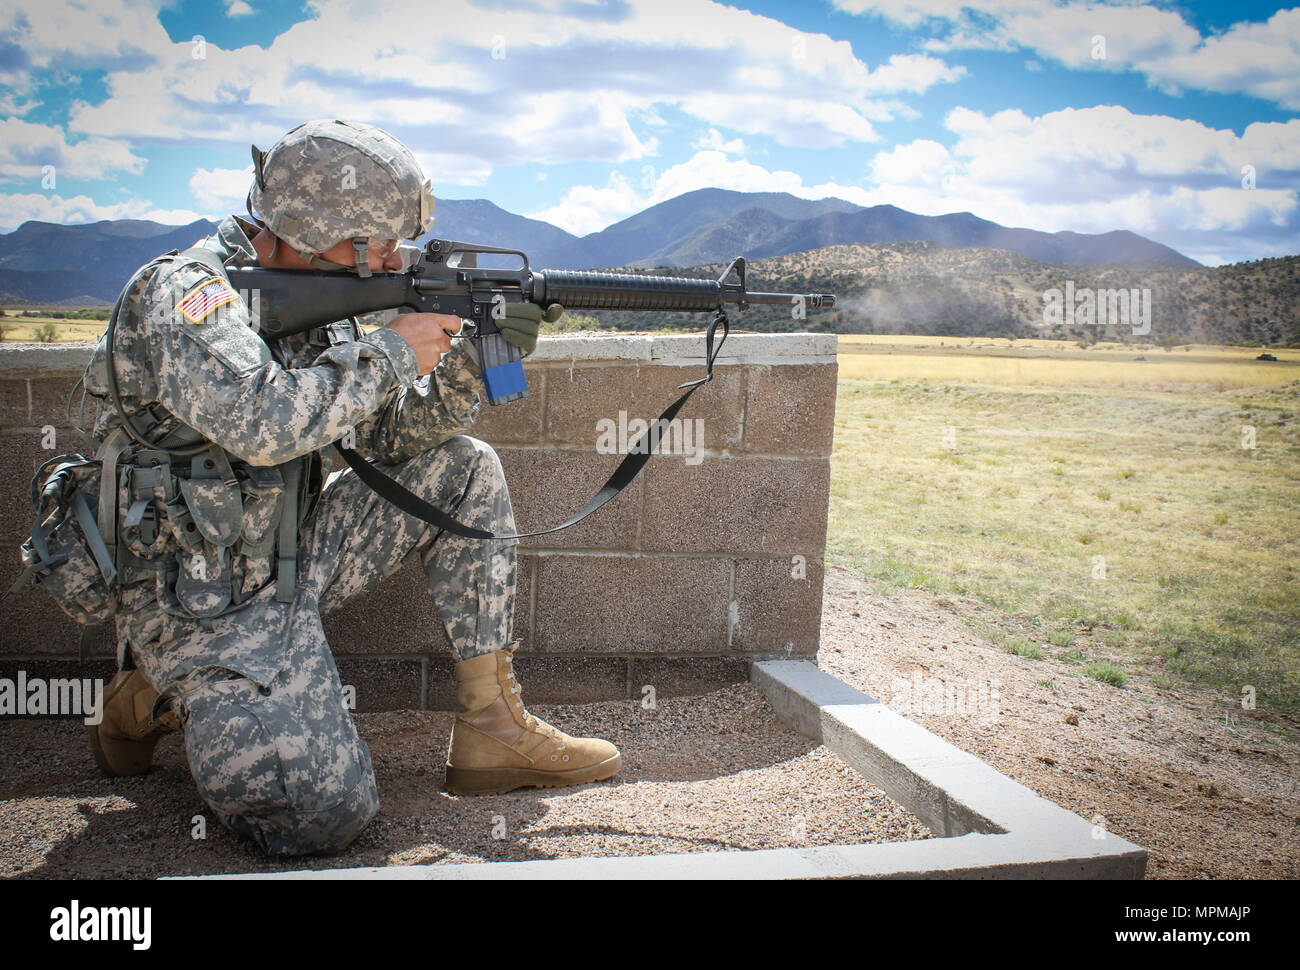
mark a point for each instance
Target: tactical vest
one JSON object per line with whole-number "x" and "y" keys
{"x": 208, "y": 530}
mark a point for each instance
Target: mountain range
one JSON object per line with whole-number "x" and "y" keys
{"x": 41, "y": 262}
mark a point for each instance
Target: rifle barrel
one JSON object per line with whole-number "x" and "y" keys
{"x": 588, "y": 290}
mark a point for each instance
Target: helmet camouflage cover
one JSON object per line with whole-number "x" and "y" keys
{"x": 327, "y": 181}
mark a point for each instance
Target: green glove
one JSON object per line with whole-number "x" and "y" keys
{"x": 522, "y": 321}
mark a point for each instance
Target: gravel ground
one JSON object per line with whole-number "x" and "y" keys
{"x": 1209, "y": 796}
{"x": 713, "y": 772}
{"x": 1211, "y": 790}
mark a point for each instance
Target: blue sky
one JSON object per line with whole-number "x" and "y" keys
{"x": 1176, "y": 121}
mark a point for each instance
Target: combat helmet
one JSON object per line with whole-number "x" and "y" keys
{"x": 326, "y": 181}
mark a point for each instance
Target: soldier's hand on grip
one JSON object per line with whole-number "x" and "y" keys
{"x": 429, "y": 335}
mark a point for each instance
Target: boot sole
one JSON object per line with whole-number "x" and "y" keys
{"x": 498, "y": 781}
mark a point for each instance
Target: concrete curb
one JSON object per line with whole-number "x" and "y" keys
{"x": 953, "y": 792}
{"x": 991, "y": 826}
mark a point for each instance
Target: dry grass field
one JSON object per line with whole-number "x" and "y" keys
{"x": 14, "y": 329}
{"x": 1131, "y": 517}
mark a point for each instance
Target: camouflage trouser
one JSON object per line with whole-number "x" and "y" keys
{"x": 271, "y": 745}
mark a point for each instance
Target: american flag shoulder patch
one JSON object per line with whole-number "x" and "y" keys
{"x": 205, "y": 298}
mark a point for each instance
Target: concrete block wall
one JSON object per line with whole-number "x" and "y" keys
{"x": 707, "y": 561}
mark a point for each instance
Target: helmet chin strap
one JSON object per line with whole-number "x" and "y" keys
{"x": 360, "y": 251}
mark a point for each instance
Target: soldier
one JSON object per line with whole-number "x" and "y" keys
{"x": 230, "y": 547}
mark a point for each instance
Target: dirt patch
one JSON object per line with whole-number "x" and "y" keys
{"x": 713, "y": 772}
{"x": 1209, "y": 795}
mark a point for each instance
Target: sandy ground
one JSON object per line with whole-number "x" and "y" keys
{"x": 1209, "y": 797}
{"x": 712, "y": 772}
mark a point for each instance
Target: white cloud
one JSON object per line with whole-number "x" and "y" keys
{"x": 591, "y": 84}
{"x": 912, "y": 73}
{"x": 1259, "y": 59}
{"x": 1253, "y": 58}
{"x": 74, "y": 34}
{"x": 238, "y": 8}
{"x": 922, "y": 163}
{"x": 1104, "y": 168}
{"x": 80, "y": 209}
{"x": 589, "y": 208}
{"x": 714, "y": 141}
{"x": 27, "y": 148}
{"x": 223, "y": 190}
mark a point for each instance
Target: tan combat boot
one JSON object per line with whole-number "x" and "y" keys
{"x": 497, "y": 746}
{"x": 124, "y": 739}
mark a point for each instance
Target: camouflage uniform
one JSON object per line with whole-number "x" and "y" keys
{"x": 271, "y": 745}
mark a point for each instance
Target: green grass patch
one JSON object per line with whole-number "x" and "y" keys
{"x": 1023, "y": 647}
{"x": 1106, "y": 672}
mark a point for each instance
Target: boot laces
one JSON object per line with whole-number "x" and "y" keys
{"x": 535, "y": 723}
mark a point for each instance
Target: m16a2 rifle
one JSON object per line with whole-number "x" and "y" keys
{"x": 446, "y": 278}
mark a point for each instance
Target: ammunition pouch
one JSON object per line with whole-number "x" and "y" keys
{"x": 66, "y": 555}
{"x": 205, "y": 531}
{"x": 224, "y": 524}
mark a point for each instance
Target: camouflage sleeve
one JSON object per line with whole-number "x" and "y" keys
{"x": 215, "y": 374}
{"x": 433, "y": 409}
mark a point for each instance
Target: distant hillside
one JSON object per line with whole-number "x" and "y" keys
{"x": 655, "y": 236}
{"x": 48, "y": 263}
{"x": 480, "y": 221}
{"x": 921, "y": 287}
{"x": 711, "y": 225}
{"x": 45, "y": 263}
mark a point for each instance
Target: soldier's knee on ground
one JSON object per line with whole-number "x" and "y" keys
{"x": 289, "y": 773}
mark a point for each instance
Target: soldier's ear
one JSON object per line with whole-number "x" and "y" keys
{"x": 258, "y": 156}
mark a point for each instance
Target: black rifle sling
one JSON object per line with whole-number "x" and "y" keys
{"x": 627, "y": 470}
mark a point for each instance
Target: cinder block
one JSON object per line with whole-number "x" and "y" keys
{"x": 397, "y": 616}
{"x": 14, "y": 403}
{"x": 679, "y": 676}
{"x": 440, "y": 694}
{"x": 516, "y": 423}
{"x": 790, "y": 409}
{"x": 548, "y": 486}
{"x": 776, "y": 611}
{"x": 50, "y": 406}
{"x": 382, "y": 684}
{"x": 617, "y": 604}
{"x": 578, "y": 398}
{"x": 571, "y": 680}
{"x": 736, "y": 505}
{"x": 47, "y": 403}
